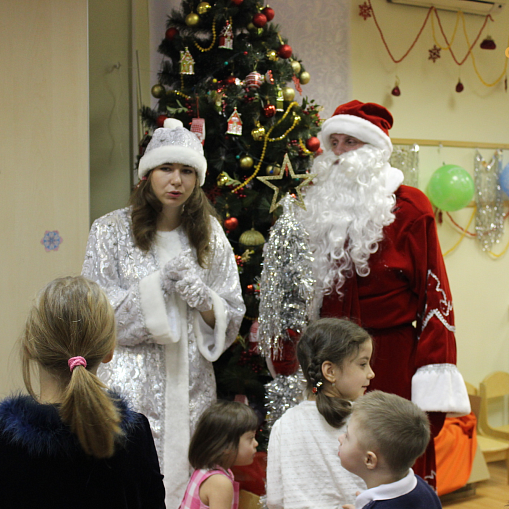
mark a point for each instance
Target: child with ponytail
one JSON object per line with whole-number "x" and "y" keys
{"x": 304, "y": 470}
{"x": 72, "y": 443}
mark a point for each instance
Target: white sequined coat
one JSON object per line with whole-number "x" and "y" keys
{"x": 163, "y": 361}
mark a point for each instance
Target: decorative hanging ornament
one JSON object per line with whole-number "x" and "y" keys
{"x": 258, "y": 132}
{"x": 396, "y": 92}
{"x": 304, "y": 77}
{"x": 488, "y": 43}
{"x": 198, "y": 128}
{"x": 285, "y": 51}
{"x": 222, "y": 179}
{"x": 272, "y": 55}
{"x": 434, "y": 53}
{"x": 253, "y": 80}
{"x": 296, "y": 66}
{"x": 157, "y": 91}
{"x": 192, "y": 19}
{"x": 313, "y": 143}
{"x": 234, "y": 123}
{"x": 171, "y": 33}
{"x": 226, "y": 37}
{"x": 273, "y": 169}
{"x": 252, "y": 238}
{"x": 269, "y": 110}
{"x": 230, "y": 223}
{"x": 365, "y": 11}
{"x": 288, "y": 94}
{"x": 259, "y": 20}
{"x": 186, "y": 62}
{"x": 459, "y": 86}
{"x": 269, "y": 77}
{"x": 280, "y": 100}
{"x": 269, "y": 13}
{"x": 203, "y": 8}
{"x": 246, "y": 162}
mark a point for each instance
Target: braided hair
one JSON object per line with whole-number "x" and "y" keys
{"x": 335, "y": 340}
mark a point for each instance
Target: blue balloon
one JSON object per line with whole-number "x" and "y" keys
{"x": 503, "y": 179}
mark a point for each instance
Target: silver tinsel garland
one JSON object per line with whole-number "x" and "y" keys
{"x": 406, "y": 158}
{"x": 287, "y": 282}
{"x": 282, "y": 393}
{"x": 489, "y": 217}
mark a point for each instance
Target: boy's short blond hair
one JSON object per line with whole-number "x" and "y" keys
{"x": 392, "y": 427}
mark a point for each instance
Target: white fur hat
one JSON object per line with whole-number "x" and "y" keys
{"x": 173, "y": 143}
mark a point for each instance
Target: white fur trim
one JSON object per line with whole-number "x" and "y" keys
{"x": 393, "y": 178}
{"x": 440, "y": 388}
{"x": 357, "y": 127}
{"x": 153, "y": 307}
{"x": 210, "y": 342}
{"x": 173, "y": 154}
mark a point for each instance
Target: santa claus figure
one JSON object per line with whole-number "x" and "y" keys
{"x": 378, "y": 262}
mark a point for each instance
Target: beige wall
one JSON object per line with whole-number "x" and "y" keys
{"x": 429, "y": 108}
{"x": 43, "y": 155}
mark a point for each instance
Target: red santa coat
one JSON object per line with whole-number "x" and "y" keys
{"x": 405, "y": 303}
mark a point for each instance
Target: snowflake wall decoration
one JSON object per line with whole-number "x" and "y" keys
{"x": 51, "y": 240}
{"x": 365, "y": 10}
{"x": 434, "y": 53}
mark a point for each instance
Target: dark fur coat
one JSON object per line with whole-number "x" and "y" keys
{"x": 43, "y": 465}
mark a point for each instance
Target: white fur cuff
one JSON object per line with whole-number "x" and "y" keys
{"x": 210, "y": 342}
{"x": 440, "y": 388}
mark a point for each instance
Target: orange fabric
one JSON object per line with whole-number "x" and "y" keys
{"x": 455, "y": 448}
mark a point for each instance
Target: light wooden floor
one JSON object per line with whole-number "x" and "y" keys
{"x": 490, "y": 494}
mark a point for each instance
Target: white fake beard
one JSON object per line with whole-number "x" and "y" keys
{"x": 348, "y": 202}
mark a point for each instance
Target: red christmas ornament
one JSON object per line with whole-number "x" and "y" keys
{"x": 160, "y": 120}
{"x": 269, "y": 110}
{"x": 488, "y": 43}
{"x": 259, "y": 20}
{"x": 171, "y": 33}
{"x": 230, "y": 80}
{"x": 253, "y": 80}
{"x": 396, "y": 91}
{"x": 250, "y": 289}
{"x": 269, "y": 13}
{"x": 459, "y": 86}
{"x": 230, "y": 223}
{"x": 285, "y": 51}
{"x": 236, "y": 2}
{"x": 313, "y": 144}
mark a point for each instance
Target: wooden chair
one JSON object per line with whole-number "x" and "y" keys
{"x": 494, "y": 386}
{"x": 492, "y": 449}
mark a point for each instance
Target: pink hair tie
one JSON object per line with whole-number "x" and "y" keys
{"x": 76, "y": 361}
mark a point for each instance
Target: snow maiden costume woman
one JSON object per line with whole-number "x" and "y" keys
{"x": 171, "y": 276}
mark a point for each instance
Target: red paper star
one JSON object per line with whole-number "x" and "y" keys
{"x": 365, "y": 10}
{"x": 434, "y": 53}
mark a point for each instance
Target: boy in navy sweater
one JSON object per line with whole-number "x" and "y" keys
{"x": 384, "y": 437}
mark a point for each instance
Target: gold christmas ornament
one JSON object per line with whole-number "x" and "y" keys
{"x": 246, "y": 162}
{"x": 272, "y": 55}
{"x": 273, "y": 169}
{"x": 222, "y": 179}
{"x": 296, "y": 66}
{"x": 157, "y": 91}
{"x": 252, "y": 237}
{"x": 192, "y": 19}
{"x": 304, "y": 77}
{"x": 288, "y": 94}
{"x": 203, "y": 7}
{"x": 258, "y": 132}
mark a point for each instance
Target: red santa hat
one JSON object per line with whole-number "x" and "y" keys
{"x": 173, "y": 143}
{"x": 368, "y": 122}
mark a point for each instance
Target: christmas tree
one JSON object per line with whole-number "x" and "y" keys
{"x": 232, "y": 78}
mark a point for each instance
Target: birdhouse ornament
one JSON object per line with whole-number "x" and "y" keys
{"x": 234, "y": 123}
{"x": 186, "y": 62}
{"x": 226, "y": 37}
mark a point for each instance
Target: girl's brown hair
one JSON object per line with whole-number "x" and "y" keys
{"x": 196, "y": 218}
{"x": 335, "y": 340}
{"x": 73, "y": 317}
{"x": 216, "y": 438}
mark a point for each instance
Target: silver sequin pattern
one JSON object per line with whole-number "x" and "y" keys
{"x": 138, "y": 367}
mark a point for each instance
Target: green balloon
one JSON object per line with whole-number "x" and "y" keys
{"x": 450, "y": 188}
